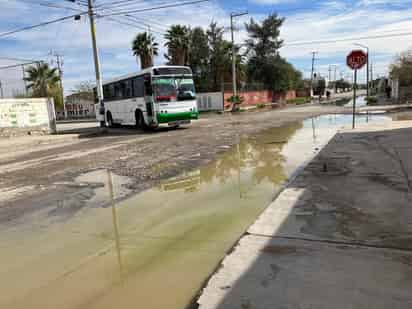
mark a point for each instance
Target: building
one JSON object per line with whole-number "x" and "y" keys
{"x": 80, "y": 105}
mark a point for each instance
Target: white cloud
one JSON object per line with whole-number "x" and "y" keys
{"x": 355, "y": 22}
{"x": 268, "y": 2}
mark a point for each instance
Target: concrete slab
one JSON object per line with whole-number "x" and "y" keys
{"x": 272, "y": 273}
{"x": 357, "y": 190}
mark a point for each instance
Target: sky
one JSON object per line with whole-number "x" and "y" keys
{"x": 305, "y": 22}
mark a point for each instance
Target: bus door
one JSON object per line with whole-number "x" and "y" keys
{"x": 148, "y": 98}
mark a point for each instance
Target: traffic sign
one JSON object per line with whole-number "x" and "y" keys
{"x": 356, "y": 59}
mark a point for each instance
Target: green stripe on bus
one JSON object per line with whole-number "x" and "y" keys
{"x": 165, "y": 118}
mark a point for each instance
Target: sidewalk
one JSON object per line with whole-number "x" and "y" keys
{"x": 12, "y": 146}
{"x": 339, "y": 236}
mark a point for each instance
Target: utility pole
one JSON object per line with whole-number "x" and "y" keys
{"x": 330, "y": 73}
{"x": 59, "y": 62}
{"x": 151, "y": 46}
{"x": 1, "y": 90}
{"x": 99, "y": 86}
{"x": 24, "y": 78}
{"x": 312, "y": 72}
{"x": 232, "y": 16}
{"x": 372, "y": 75}
{"x": 354, "y": 98}
{"x": 367, "y": 67}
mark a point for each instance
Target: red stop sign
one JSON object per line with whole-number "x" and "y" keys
{"x": 356, "y": 59}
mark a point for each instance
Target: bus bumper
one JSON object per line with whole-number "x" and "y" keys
{"x": 175, "y": 117}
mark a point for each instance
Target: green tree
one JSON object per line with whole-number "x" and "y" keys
{"x": 145, "y": 47}
{"x": 264, "y": 39}
{"x": 220, "y": 56}
{"x": 402, "y": 68}
{"x": 199, "y": 58}
{"x": 177, "y": 43}
{"x": 42, "y": 80}
{"x": 264, "y": 62}
{"x": 84, "y": 90}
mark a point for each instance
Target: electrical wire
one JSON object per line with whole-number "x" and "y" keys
{"x": 19, "y": 65}
{"x": 133, "y": 25}
{"x": 155, "y": 8}
{"x": 100, "y": 16}
{"x": 370, "y": 37}
{"x": 49, "y": 4}
{"x": 40, "y": 25}
{"x": 117, "y": 3}
{"x": 135, "y": 20}
{"x": 17, "y": 59}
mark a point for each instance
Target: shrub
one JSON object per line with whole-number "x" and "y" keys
{"x": 371, "y": 100}
{"x": 298, "y": 101}
{"x": 236, "y": 101}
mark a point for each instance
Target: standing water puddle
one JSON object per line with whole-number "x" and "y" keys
{"x": 156, "y": 249}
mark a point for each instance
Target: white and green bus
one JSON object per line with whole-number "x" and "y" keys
{"x": 161, "y": 95}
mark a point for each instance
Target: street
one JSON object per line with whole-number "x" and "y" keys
{"x": 73, "y": 204}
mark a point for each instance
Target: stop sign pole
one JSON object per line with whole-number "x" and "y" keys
{"x": 355, "y": 60}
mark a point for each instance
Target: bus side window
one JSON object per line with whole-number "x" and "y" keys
{"x": 117, "y": 91}
{"x": 138, "y": 87}
{"x": 147, "y": 85}
{"x": 129, "y": 89}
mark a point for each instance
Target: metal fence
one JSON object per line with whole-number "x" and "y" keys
{"x": 405, "y": 94}
{"x": 11, "y": 82}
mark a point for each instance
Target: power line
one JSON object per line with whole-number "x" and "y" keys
{"x": 132, "y": 19}
{"x": 155, "y": 8}
{"x": 133, "y": 25}
{"x": 142, "y": 21}
{"x": 50, "y": 5}
{"x": 370, "y": 37}
{"x": 17, "y": 59}
{"x": 40, "y": 25}
{"x": 19, "y": 65}
{"x": 116, "y": 3}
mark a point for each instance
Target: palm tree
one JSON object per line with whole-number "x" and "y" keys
{"x": 178, "y": 41}
{"x": 145, "y": 47}
{"x": 43, "y": 80}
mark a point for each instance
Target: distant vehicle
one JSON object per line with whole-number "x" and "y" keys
{"x": 161, "y": 95}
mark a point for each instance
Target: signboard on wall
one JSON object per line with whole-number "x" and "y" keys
{"x": 26, "y": 113}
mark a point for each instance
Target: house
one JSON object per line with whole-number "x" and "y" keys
{"x": 80, "y": 105}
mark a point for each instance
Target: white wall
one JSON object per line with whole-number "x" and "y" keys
{"x": 209, "y": 101}
{"x": 27, "y": 113}
{"x": 395, "y": 88}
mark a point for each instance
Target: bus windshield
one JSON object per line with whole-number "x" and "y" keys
{"x": 168, "y": 89}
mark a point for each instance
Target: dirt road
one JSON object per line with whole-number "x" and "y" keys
{"x": 41, "y": 175}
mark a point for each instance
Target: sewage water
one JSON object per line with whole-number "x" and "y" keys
{"x": 155, "y": 249}
{"x": 360, "y": 102}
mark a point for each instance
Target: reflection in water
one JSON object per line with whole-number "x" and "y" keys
{"x": 254, "y": 160}
{"x": 360, "y": 102}
{"x": 115, "y": 224}
{"x": 164, "y": 242}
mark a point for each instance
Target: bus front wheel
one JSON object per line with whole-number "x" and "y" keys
{"x": 140, "y": 123}
{"x": 109, "y": 119}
